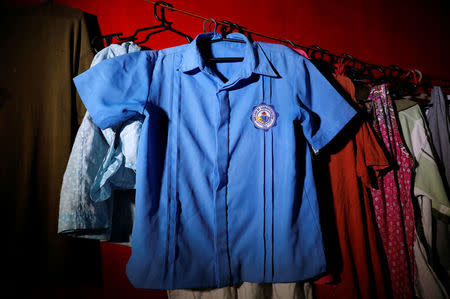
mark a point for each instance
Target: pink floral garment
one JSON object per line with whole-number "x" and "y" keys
{"x": 393, "y": 200}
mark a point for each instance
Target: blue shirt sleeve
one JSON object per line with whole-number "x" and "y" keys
{"x": 117, "y": 89}
{"x": 323, "y": 111}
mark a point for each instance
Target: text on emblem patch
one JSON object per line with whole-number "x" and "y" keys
{"x": 264, "y": 117}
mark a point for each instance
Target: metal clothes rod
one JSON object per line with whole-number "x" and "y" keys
{"x": 313, "y": 49}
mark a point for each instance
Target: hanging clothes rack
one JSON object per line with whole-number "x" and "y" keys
{"x": 317, "y": 53}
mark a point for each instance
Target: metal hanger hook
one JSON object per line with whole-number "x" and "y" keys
{"x": 215, "y": 24}
{"x": 204, "y": 21}
{"x": 231, "y": 27}
{"x": 420, "y": 75}
{"x": 348, "y": 58}
{"x": 162, "y": 19}
{"x": 318, "y": 49}
{"x": 414, "y": 72}
{"x": 209, "y": 26}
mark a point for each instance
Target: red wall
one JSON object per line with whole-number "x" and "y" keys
{"x": 408, "y": 33}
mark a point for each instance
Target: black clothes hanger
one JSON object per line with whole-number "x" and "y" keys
{"x": 355, "y": 73}
{"x": 224, "y": 30}
{"x": 399, "y": 86}
{"x": 231, "y": 27}
{"x": 366, "y": 75}
{"x": 322, "y": 59}
{"x": 164, "y": 25}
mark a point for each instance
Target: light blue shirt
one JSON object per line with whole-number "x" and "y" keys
{"x": 101, "y": 161}
{"x": 224, "y": 184}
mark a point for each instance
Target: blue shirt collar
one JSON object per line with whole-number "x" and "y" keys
{"x": 255, "y": 60}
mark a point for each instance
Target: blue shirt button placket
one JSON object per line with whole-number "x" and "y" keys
{"x": 223, "y": 273}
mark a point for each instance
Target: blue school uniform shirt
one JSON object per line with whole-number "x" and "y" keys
{"x": 224, "y": 184}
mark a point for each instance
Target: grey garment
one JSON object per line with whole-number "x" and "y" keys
{"x": 101, "y": 162}
{"x": 428, "y": 284}
{"x": 439, "y": 124}
{"x": 248, "y": 290}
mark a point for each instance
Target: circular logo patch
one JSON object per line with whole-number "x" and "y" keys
{"x": 264, "y": 117}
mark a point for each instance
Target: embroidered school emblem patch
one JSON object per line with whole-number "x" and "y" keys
{"x": 264, "y": 117}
